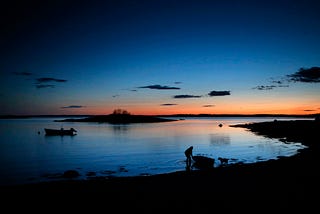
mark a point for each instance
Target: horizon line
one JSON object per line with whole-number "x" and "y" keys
{"x": 7, "y": 116}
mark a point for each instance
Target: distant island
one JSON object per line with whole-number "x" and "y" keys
{"x": 169, "y": 115}
{"x": 119, "y": 117}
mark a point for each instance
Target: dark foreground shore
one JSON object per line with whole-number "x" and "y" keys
{"x": 288, "y": 183}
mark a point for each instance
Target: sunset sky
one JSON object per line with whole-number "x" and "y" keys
{"x": 160, "y": 57}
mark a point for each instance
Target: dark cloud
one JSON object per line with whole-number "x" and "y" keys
{"x": 207, "y": 106}
{"x": 48, "y": 79}
{"x": 277, "y": 82}
{"x": 274, "y": 84}
{"x": 185, "y": 96}
{"x": 159, "y": 87}
{"x": 22, "y": 73}
{"x": 264, "y": 87}
{"x": 307, "y": 75}
{"x": 177, "y": 82}
{"x": 73, "y": 106}
{"x": 40, "y": 82}
{"x": 269, "y": 87}
{"x": 45, "y": 86}
{"x": 133, "y": 90}
{"x": 168, "y": 104}
{"x": 304, "y": 75}
{"x": 308, "y": 110}
{"x": 218, "y": 93}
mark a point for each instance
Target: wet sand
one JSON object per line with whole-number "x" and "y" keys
{"x": 289, "y": 183}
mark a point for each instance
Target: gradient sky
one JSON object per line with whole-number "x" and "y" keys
{"x": 160, "y": 57}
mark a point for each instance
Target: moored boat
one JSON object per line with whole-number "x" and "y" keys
{"x": 61, "y": 131}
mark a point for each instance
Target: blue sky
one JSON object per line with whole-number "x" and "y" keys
{"x": 91, "y": 57}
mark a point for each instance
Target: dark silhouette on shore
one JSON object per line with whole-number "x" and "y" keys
{"x": 223, "y": 161}
{"x": 203, "y": 162}
{"x": 199, "y": 161}
{"x": 189, "y": 156}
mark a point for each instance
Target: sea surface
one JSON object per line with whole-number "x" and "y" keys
{"x": 102, "y": 150}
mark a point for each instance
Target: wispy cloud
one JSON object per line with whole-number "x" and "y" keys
{"x": 168, "y": 104}
{"x": 264, "y": 87}
{"x": 22, "y": 73}
{"x": 40, "y": 82}
{"x": 177, "y": 82}
{"x": 49, "y": 79}
{"x": 73, "y": 106}
{"x": 218, "y": 93}
{"x": 279, "y": 82}
{"x": 306, "y": 75}
{"x": 183, "y": 96}
{"x": 159, "y": 87}
{"x": 309, "y": 110}
{"x": 45, "y": 86}
{"x": 269, "y": 87}
{"x": 274, "y": 83}
{"x": 208, "y": 106}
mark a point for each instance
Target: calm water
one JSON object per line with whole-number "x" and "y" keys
{"x": 126, "y": 150}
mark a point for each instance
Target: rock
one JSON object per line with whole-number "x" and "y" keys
{"x": 71, "y": 174}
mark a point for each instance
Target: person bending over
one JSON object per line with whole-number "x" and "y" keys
{"x": 189, "y": 155}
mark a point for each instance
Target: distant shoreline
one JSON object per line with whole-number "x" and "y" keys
{"x": 172, "y": 115}
{"x": 119, "y": 119}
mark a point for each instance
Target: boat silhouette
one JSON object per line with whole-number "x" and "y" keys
{"x": 60, "y": 132}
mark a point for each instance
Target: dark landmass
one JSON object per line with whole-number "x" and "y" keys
{"x": 283, "y": 185}
{"x": 40, "y": 116}
{"x": 119, "y": 119}
{"x": 305, "y": 131}
{"x": 174, "y": 115}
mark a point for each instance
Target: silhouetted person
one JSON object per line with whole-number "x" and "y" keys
{"x": 188, "y": 153}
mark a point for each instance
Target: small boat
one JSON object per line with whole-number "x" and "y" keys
{"x": 203, "y": 162}
{"x": 61, "y": 131}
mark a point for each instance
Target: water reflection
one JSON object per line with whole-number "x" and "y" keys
{"x": 120, "y": 129}
{"x": 58, "y": 138}
{"x": 219, "y": 139}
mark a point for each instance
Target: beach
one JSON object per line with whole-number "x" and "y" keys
{"x": 289, "y": 182}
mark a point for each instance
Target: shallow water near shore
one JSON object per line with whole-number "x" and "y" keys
{"x": 105, "y": 150}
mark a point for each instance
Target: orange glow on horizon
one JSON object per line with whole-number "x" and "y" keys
{"x": 169, "y": 110}
{"x": 239, "y": 105}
